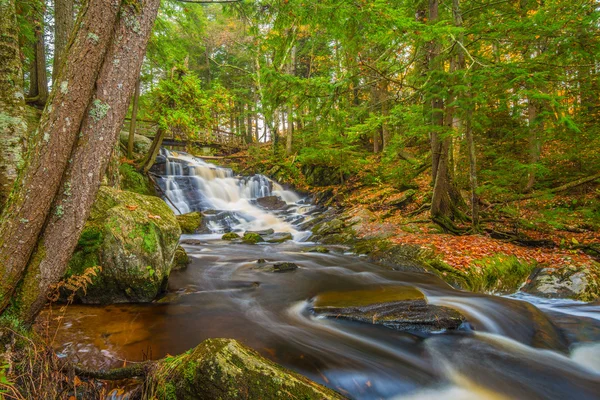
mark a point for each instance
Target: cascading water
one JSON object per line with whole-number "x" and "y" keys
{"x": 228, "y": 201}
{"x": 513, "y": 347}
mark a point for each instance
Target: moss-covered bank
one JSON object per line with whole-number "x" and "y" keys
{"x": 225, "y": 369}
{"x": 133, "y": 238}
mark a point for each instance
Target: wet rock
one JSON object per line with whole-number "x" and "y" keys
{"x": 261, "y": 261}
{"x": 230, "y": 236}
{"x": 318, "y": 249}
{"x": 567, "y": 282}
{"x": 397, "y": 307}
{"x": 225, "y": 369}
{"x": 330, "y": 227}
{"x": 134, "y": 238}
{"x": 271, "y": 203}
{"x": 190, "y": 222}
{"x": 180, "y": 260}
{"x": 252, "y": 238}
{"x": 278, "y": 237}
{"x": 263, "y": 232}
{"x": 276, "y": 267}
{"x": 192, "y": 242}
{"x": 284, "y": 267}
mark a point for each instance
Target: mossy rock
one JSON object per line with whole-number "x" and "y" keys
{"x": 252, "y": 238}
{"x": 225, "y": 369}
{"x": 180, "y": 260}
{"x": 318, "y": 249}
{"x": 141, "y": 144}
{"x": 133, "y": 181}
{"x": 133, "y": 238}
{"x": 230, "y": 236}
{"x": 189, "y": 222}
{"x": 579, "y": 283}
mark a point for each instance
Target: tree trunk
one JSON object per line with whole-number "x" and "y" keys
{"x": 89, "y": 159}
{"x": 63, "y": 25}
{"x": 52, "y": 145}
{"x": 445, "y": 196}
{"x": 290, "y": 132}
{"x": 13, "y": 126}
{"x": 385, "y": 111}
{"x": 38, "y": 87}
{"x": 154, "y": 150}
{"x": 535, "y": 143}
{"x": 134, "y": 111}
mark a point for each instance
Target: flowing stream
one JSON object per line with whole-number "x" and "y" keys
{"x": 509, "y": 349}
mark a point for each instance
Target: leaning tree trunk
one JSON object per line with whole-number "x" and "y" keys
{"x": 63, "y": 25}
{"x": 13, "y": 127}
{"x": 89, "y": 159}
{"x": 50, "y": 148}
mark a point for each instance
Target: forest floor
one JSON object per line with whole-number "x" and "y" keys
{"x": 555, "y": 231}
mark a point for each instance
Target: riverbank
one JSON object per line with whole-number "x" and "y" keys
{"x": 548, "y": 245}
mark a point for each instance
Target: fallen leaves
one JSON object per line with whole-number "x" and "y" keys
{"x": 131, "y": 207}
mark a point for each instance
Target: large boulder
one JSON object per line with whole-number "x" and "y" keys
{"x": 133, "y": 238}
{"x": 141, "y": 144}
{"x": 581, "y": 283}
{"x": 397, "y": 307}
{"x": 225, "y": 369}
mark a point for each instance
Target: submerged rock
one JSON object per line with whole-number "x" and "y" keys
{"x": 271, "y": 203}
{"x": 180, "y": 260}
{"x": 397, "y": 307}
{"x": 230, "y": 236}
{"x": 133, "y": 238}
{"x": 278, "y": 237}
{"x": 263, "y": 232}
{"x": 225, "y": 369}
{"x": 252, "y": 238}
{"x": 276, "y": 267}
{"x": 284, "y": 267}
{"x": 318, "y": 249}
{"x": 190, "y": 222}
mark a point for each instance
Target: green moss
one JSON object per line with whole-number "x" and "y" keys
{"x": 189, "y": 222}
{"x": 181, "y": 259}
{"x": 134, "y": 181}
{"x": 230, "y": 236}
{"x": 251, "y": 238}
{"x": 224, "y": 369}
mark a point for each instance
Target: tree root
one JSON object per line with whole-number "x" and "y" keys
{"x": 138, "y": 370}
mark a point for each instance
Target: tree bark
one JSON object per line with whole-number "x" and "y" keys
{"x": 445, "y": 197}
{"x": 63, "y": 25}
{"x": 13, "y": 126}
{"x": 134, "y": 111}
{"x": 38, "y": 86}
{"x": 51, "y": 147}
{"x": 98, "y": 138}
{"x": 154, "y": 150}
{"x": 534, "y": 141}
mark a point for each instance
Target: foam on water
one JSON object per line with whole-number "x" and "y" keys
{"x": 191, "y": 184}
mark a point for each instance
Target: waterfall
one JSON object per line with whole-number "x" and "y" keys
{"x": 228, "y": 202}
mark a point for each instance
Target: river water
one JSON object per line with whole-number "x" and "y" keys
{"x": 513, "y": 347}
